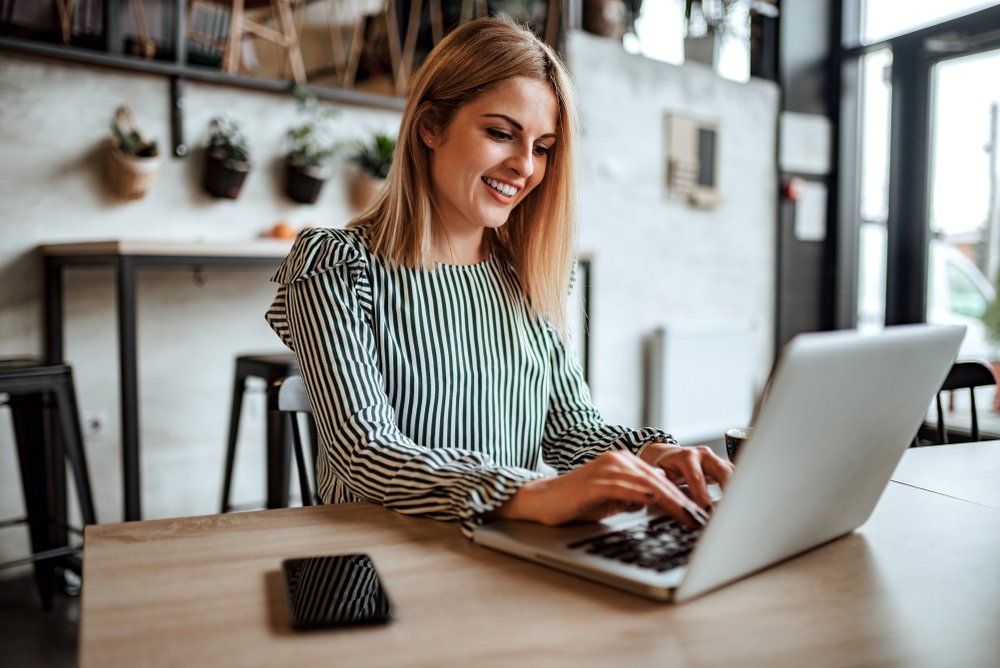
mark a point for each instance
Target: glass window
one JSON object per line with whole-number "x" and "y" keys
{"x": 871, "y": 277}
{"x": 884, "y": 18}
{"x": 965, "y": 297}
{"x": 873, "y": 168}
{"x": 964, "y": 220}
{"x": 876, "y": 98}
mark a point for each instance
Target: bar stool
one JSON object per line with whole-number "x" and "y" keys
{"x": 269, "y": 367}
{"x": 43, "y": 404}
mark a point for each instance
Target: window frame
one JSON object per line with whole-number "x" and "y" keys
{"x": 907, "y": 231}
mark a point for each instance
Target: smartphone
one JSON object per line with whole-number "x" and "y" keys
{"x": 334, "y": 590}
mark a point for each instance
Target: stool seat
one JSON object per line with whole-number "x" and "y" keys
{"x": 46, "y": 432}
{"x": 269, "y": 367}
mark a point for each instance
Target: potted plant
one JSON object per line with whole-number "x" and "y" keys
{"x": 133, "y": 160}
{"x": 373, "y": 159}
{"x": 227, "y": 160}
{"x": 311, "y": 149}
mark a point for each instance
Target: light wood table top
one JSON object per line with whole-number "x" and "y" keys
{"x": 263, "y": 247}
{"x": 916, "y": 586}
{"x": 966, "y": 471}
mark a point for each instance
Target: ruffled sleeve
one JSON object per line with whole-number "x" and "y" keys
{"x": 316, "y": 251}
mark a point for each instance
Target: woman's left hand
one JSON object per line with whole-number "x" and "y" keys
{"x": 694, "y": 467}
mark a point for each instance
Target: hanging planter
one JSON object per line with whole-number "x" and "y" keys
{"x": 133, "y": 161}
{"x": 373, "y": 160}
{"x": 311, "y": 148}
{"x": 304, "y": 183}
{"x": 227, "y": 159}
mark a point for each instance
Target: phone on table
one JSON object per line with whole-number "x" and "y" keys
{"x": 334, "y": 590}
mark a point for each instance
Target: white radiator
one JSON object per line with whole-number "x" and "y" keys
{"x": 699, "y": 379}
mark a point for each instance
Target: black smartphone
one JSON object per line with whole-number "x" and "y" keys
{"x": 334, "y": 590}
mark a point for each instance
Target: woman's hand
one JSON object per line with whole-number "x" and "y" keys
{"x": 694, "y": 467}
{"x": 611, "y": 483}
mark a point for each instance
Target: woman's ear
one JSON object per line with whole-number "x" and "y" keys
{"x": 427, "y": 135}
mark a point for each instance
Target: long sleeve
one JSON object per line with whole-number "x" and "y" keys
{"x": 324, "y": 313}
{"x": 575, "y": 432}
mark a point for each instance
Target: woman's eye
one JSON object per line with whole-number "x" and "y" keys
{"x": 499, "y": 134}
{"x": 542, "y": 150}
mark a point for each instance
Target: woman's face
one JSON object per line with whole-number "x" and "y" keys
{"x": 492, "y": 154}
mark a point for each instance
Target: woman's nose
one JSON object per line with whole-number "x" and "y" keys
{"x": 521, "y": 160}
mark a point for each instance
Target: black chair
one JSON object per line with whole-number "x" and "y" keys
{"x": 270, "y": 367}
{"x": 288, "y": 395}
{"x": 48, "y": 435}
{"x": 963, "y": 376}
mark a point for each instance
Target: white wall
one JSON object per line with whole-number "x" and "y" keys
{"x": 657, "y": 260}
{"x": 54, "y": 118}
{"x": 653, "y": 259}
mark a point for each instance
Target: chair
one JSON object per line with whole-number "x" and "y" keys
{"x": 290, "y": 396}
{"x": 243, "y": 19}
{"x": 269, "y": 367}
{"x": 43, "y": 404}
{"x": 963, "y": 375}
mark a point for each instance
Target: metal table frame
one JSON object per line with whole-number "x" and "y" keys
{"x": 126, "y": 259}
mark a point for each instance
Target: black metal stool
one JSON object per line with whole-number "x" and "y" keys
{"x": 269, "y": 367}
{"x": 47, "y": 434}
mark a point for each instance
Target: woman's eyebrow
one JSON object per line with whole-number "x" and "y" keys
{"x": 518, "y": 126}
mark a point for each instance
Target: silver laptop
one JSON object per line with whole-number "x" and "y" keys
{"x": 840, "y": 410}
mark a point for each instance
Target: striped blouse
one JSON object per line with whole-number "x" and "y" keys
{"x": 435, "y": 392}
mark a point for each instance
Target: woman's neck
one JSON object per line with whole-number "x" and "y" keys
{"x": 450, "y": 248}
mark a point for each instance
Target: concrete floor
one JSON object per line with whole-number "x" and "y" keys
{"x": 30, "y": 637}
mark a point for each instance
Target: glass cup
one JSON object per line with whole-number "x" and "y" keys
{"x": 735, "y": 438}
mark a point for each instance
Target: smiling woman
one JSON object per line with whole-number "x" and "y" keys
{"x": 429, "y": 333}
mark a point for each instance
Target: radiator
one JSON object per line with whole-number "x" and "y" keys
{"x": 699, "y": 379}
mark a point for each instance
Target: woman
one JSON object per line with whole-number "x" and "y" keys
{"x": 429, "y": 332}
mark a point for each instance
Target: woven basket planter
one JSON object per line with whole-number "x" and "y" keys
{"x": 129, "y": 176}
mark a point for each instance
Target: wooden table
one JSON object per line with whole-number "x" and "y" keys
{"x": 127, "y": 258}
{"x": 967, "y": 471}
{"x": 917, "y": 585}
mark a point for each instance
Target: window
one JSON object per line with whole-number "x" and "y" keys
{"x": 884, "y": 18}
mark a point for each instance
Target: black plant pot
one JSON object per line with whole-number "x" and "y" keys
{"x": 303, "y": 184}
{"x": 222, "y": 179}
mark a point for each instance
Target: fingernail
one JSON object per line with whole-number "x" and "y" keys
{"x": 697, "y": 514}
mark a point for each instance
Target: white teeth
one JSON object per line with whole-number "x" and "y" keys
{"x": 501, "y": 188}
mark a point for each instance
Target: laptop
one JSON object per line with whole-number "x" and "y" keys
{"x": 840, "y": 410}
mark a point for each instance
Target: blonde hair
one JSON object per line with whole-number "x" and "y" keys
{"x": 537, "y": 237}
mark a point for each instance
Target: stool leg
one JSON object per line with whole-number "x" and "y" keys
{"x": 300, "y": 458}
{"x": 72, "y": 445}
{"x": 234, "y": 428}
{"x": 278, "y": 464}
{"x": 29, "y": 432}
{"x": 313, "y": 452}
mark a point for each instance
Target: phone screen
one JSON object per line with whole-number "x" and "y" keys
{"x": 335, "y": 590}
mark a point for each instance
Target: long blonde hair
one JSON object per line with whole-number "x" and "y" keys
{"x": 537, "y": 237}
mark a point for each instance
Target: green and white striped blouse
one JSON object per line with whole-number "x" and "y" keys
{"x": 435, "y": 392}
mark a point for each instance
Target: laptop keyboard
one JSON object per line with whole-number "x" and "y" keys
{"x": 660, "y": 545}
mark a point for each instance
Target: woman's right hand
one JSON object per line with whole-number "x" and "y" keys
{"x": 612, "y": 483}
